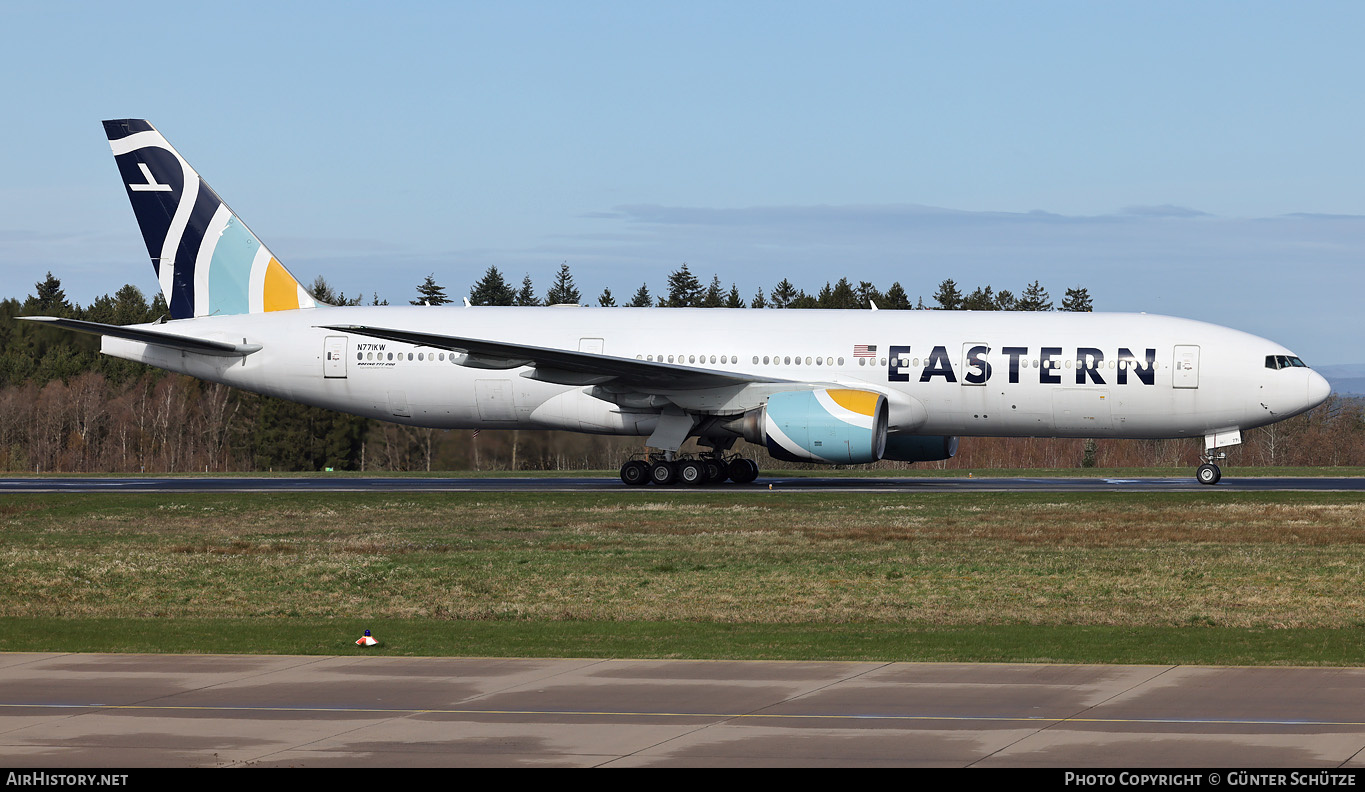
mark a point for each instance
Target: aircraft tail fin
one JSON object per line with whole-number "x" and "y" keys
{"x": 206, "y": 259}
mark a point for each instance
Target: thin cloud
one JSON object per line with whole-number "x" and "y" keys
{"x": 1164, "y": 210}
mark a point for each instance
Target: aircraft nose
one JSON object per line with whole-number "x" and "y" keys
{"x": 1318, "y": 389}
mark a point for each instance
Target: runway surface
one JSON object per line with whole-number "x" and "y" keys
{"x": 612, "y": 484}
{"x": 60, "y": 710}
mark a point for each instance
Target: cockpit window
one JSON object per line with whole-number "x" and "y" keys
{"x": 1283, "y": 362}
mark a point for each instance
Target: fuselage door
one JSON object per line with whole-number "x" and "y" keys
{"x": 334, "y": 357}
{"x": 976, "y": 367}
{"x": 1186, "y": 371}
{"x": 494, "y": 397}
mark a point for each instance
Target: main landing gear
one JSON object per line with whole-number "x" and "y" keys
{"x": 692, "y": 471}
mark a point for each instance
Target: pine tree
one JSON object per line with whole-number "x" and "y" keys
{"x": 983, "y": 299}
{"x": 843, "y": 296}
{"x": 126, "y": 307}
{"x": 48, "y": 299}
{"x": 867, "y": 294}
{"x": 606, "y": 300}
{"x": 782, "y": 294}
{"x": 684, "y": 290}
{"x": 896, "y": 299}
{"x": 759, "y": 301}
{"x": 1077, "y": 299}
{"x": 1006, "y": 301}
{"x": 1035, "y": 298}
{"x": 431, "y": 293}
{"x": 130, "y": 307}
{"x": 527, "y": 295}
{"x": 733, "y": 300}
{"x": 948, "y": 297}
{"x": 322, "y": 291}
{"x": 715, "y": 296}
{"x": 563, "y": 292}
{"x": 492, "y": 290}
{"x": 642, "y": 298}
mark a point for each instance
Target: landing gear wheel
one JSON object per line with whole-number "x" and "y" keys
{"x": 663, "y": 473}
{"x": 743, "y": 471}
{"x": 692, "y": 472}
{"x": 635, "y": 473}
{"x": 716, "y": 471}
{"x": 1208, "y": 474}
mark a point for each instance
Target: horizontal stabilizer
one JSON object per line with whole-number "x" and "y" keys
{"x": 183, "y": 343}
{"x": 565, "y": 366}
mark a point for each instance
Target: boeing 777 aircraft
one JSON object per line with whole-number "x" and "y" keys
{"x": 833, "y": 387}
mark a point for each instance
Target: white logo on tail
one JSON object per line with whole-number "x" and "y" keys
{"x": 151, "y": 184}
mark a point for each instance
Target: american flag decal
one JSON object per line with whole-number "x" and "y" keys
{"x": 864, "y": 350}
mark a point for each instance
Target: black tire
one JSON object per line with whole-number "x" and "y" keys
{"x": 635, "y": 473}
{"x": 743, "y": 471}
{"x": 692, "y": 473}
{"x": 1208, "y": 474}
{"x": 663, "y": 473}
{"x": 716, "y": 471}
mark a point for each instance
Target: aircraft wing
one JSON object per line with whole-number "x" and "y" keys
{"x": 564, "y": 366}
{"x": 156, "y": 338}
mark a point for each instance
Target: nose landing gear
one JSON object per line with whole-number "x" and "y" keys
{"x": 1208, "y": 472}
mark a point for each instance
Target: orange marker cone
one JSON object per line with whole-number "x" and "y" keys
{"x": 366, "y": 640}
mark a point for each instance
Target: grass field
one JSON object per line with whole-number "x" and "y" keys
{"x": 1207, "y": 577}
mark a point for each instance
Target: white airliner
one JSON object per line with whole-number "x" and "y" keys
{"x": 835, "y": 387}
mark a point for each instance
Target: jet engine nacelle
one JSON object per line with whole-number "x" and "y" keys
{"x": 920, "y": 448}
{"x": 832, "y": 426}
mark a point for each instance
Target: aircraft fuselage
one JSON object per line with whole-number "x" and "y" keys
{"x": 943, "y": 373}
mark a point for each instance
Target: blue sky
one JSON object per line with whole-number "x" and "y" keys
{"x": 1195, "y": 159}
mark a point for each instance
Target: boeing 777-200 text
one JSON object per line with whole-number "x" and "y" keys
{"x": 832, "y": 387}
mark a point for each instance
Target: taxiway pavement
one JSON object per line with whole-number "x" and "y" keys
{"x": 63, "y": 710}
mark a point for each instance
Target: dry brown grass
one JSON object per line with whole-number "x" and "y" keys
{"x": 943, "y": 560}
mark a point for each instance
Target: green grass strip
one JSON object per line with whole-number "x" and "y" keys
{"x": 695, "y": 640}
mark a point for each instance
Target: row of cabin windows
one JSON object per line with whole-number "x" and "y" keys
{"x": 1271, "y": 361}
{"x": 421, "y": 356}
{"x": 1124, "y": 363}
{"x": 784, "y": 360}
{"x": 768, "y": 360}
